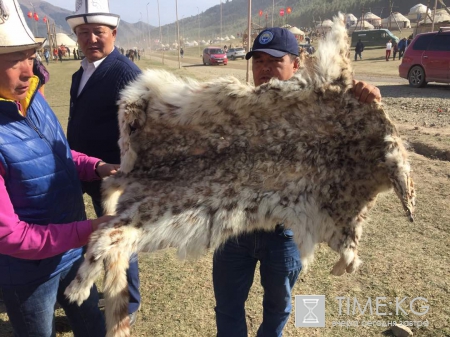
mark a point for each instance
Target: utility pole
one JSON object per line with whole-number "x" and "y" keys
{"x": 434, "y": 15}
{"x": 198, "y": 18}
{"x": 273, "y": 9}
{"x": 149, "y": 33}
{"x": 220, "y": 20}
{"x": 249, "y": 37}
{"x": 178, "y": 34}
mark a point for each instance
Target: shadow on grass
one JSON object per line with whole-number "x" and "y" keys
{"x": 194, "y": 65}
{"x": 432, "y": 90}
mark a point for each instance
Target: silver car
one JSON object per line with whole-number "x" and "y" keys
{"x": 236, "y": 53}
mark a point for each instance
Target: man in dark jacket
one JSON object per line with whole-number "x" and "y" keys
{"x": 93, "y": 126}
{"x": 359, "y": 48}
{"x": 401, "y": 47}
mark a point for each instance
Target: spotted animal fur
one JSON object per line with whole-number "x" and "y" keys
{"x": 202, "y": 162}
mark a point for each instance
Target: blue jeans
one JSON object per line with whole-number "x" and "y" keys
{"x": 132, "y": 271}
{"x": 31, "y": 308}
{"x": 234, "y": 267}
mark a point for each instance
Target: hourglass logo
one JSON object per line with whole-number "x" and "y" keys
{"x": 310, "y": 311}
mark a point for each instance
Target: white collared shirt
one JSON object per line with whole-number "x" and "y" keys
{"x": 88, "y": 70}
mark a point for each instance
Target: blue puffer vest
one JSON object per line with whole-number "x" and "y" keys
{"x": 42, "y": 183}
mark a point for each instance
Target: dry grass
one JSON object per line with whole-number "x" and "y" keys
{"x": 401, "y": 259}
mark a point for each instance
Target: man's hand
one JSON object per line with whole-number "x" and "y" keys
{"x": 103, "y": 219}
{"x": 365, "y": 92}
{"x": 105, "y": 170}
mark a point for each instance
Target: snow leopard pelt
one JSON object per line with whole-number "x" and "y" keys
{"x": 201, "y": 162}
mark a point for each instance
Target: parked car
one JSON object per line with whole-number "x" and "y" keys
{"x": 427, "y": 59}
{"x": 236, "y": 53}
{"x": 214, "y": 55}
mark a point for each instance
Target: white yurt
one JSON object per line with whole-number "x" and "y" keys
{"x": 299, "y": 34}
{"x": 324, "y": 26}
{"x": 441, "y": 16}
{"x": 350, "y": 19}
{"x": 232, "y": 37}
{"x": 362, "y": 25}
{"x": 63, "y": 39}
{"x": 373, "y": 19}
{"x": 417, "y": 11}
{"x": 396, "y": 18}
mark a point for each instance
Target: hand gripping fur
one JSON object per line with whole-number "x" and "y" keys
{"x": 202, "y": 162}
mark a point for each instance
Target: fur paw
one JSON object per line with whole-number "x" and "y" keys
{"x": 75, "y": 292}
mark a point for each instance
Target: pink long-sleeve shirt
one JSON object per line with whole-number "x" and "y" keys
{"x": 34, "y": 242}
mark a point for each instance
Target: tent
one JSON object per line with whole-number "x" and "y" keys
{"x": 350, "y": 19}
{"x": 396, "y": 18}
{"x": 417, "y": 12}
{"x": 373, "y": 19}
{"x": 441, "y": 16}
{"x": 362, "y": 25}
{"x": 299, "y": 34}
{"x": 296, "y": 31}
{"x": 324, "y": 26}
{"x": 63, "y": 39}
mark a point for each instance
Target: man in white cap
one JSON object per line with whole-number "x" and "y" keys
{"x": 43, "y": 224}
{"x": 93, "y": 127}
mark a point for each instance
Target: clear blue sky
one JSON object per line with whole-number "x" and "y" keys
{"x": 134, "y": 10}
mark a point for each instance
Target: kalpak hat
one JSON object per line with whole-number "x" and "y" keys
{"x": 276, "y": 42}
{"x": 92, "y": 11}
{"x": 14, "y": 32}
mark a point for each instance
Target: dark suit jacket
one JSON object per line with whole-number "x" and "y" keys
{"x": 93, "y": 128}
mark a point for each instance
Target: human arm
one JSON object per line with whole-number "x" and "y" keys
{"x": 91, "y": 168}
{"x": 35, "y": 242}
{"x": 30, "y": 241}
{"x": 365, "y": 92}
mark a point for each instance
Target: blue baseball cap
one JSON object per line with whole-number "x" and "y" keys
{"x": 276, "y": 42}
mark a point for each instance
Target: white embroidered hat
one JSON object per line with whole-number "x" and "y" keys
{"x": 14, "y": 32}
{"x": 92, "y": 11}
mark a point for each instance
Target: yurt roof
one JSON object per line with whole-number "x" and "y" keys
{"x": 296, "y": 31}
{"x": 418, "y": 9}
{"x": 398, "y": 16}
{"x": 350, "y": 16}
{"x": 363, "y": 23}
{"x": 371, "y": 16}
{"x": 64, "y": 39}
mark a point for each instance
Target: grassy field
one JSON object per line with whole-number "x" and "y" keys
{"x": 401, "y": 259}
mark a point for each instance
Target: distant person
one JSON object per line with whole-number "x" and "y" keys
{"x": 394, "y": 50}
{"x": 75, "y": 54}
{"x": 181, "y": 52}
{"x": 401, "y": 48}
{"x": 68, "y": 51}
{"x": 46, "y": 55}
{"x": 55, "y": 54}
{"x": 60, "y": 54}
{"x": 388, "y": 50}
{"x": 359, "y": 48}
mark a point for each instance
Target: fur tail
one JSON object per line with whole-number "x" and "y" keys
{"x": 116, "y": 294}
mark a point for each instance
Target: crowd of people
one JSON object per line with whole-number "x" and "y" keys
{"x": 43, "y": 224}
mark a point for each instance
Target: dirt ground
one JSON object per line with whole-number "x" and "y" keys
{"x": 401, "y": 259}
